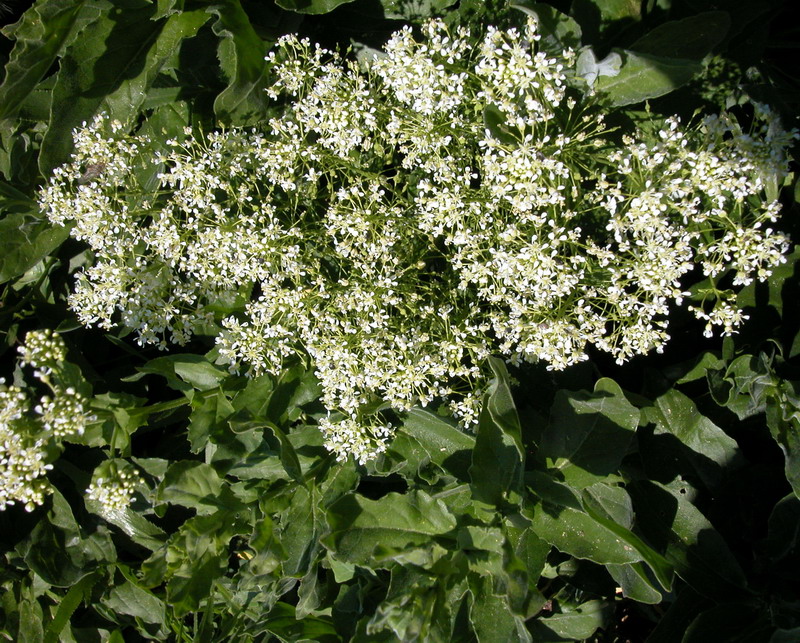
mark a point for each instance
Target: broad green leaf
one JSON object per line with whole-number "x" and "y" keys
{"x": 561, "y": 521}
{"x": 498, "y": 459}
{"x": 642, "y": 77}
{"x": 283, "y": 622}
{"x": 31, "y": 621}
{"x": 138, "y": 528}
{"x": 311, "y": 6}
{"x": 111, "y": 68}
{"x": 414, "y": 608}
{"x": 26, "y": 239}
{"x": 578, "y": 624}
{"x": 709, "y": 450}
{"x": 687, "y": 539}
{"x": 40, "y": 36}
{"x": 196, "y": 555}
{"x": 208, "y": 421}
{"x": 584, "y": 528}
{"x": 692, "y": 38}
{"x": 424, "y": 438}
{"x": 491, "y": 616}
{"x": 635, "y": 583}
{"x": 396, "y": 521}
{"x": 192, "y": 484}
{"x": 783, "y": 539}
{"x": 300, "y": 527}
{"x": 241, "y": 54}
{"x": 589, "y": 433}
{"x": 131, "y": 599}
{"x": 195, "y": 370}
{"x": 783, "y": 420}
{"x": 705, "y": 363}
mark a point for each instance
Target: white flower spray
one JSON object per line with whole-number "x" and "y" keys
{"x": 399, "y": 223}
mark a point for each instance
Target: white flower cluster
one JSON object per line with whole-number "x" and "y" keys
{"x": 400, "y": 223}
{"x": 23, "y": 463}
{"x": 113, "y": 485}
{"x": 28, "y": 440}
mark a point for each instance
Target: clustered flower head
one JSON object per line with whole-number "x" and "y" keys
{"x": 28, "y": 440}
{"x": 113, "y": 485}
{"x": 400, "y": 222}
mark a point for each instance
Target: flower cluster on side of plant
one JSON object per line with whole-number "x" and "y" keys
{"x": 400, "y": 222}
{"x": 31, "y": 434}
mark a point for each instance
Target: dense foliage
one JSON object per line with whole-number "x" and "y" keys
{"x": 474, "y": 322}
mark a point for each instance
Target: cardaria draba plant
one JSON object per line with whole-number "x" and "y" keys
{"x": 400, "y": 222}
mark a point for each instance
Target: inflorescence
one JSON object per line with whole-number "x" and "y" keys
{"x": 400, "y": 222}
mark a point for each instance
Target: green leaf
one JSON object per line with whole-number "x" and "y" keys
{"x": 589, "y": 433}
{"x": 587, "y": 527}
{"x": 301, "y": 524}
{"x": 77, "y": 594}
{"x": 561, "y": 520}
{"x": 288, "y": 456}
{"x": 26, "y": 239}
{"x": 53, "y": 550}
{"x": 310, "y": 6}
{"x": 709, "y": 450}
{"x": 608, "y": 10}
{"x": 192, "y": 484}
{"x": 41, "y": 36}
{"x": 642, "y": 77}
{"x": 396, "y": 521}
{"x": 687, "y": 539}
{"x": 241, "y": 54}
{"x": 111, "y": 68}
{"x": 783, "y": 540}
{"x": 635, "y": 583}
{"x": 138, "y": 528}
{"x": 783, "y": 420}
{"x": 491, "y": 616}
{"x": 578, "y": 624}
{"x": 498, "y": 459}
{"x": 283, "y": 622}
{"x": 131, "y": 599}
{"x": 692, "y": 38}
{"x": 424, "y": 439}
{"x": 195, "y": 370}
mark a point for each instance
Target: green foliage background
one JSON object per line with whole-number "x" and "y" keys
{"x": 656, "y": 501}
